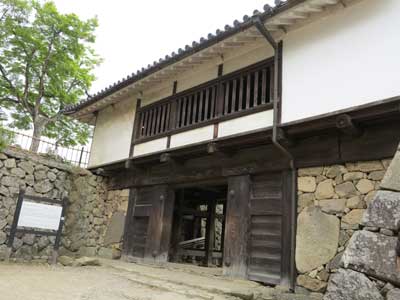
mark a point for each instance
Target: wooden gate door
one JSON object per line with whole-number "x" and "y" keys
{"x": 258, "y": 232}
{"x": 149, "y": 223}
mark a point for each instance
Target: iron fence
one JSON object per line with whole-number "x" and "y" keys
{"x": 78, "y": 156}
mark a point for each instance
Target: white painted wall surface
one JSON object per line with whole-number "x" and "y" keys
{"x": 242, "y": 58}
{"x": 344, "y": 60}
{"x": 113, "y": 132}
{"x": 247, "y": 123}
{"x": 192, "y": 136}
{"x": 149, "y": 147}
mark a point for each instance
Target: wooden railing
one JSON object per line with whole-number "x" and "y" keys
{"x": 240, "y": 93}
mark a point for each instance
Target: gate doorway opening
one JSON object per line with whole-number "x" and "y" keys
{"x": 199, "y": 225}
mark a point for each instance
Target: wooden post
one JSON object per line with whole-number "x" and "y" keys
{"x": 136, "y": 126}
{"x": 15, "y": 222}
{"x": 59, "y": 232}
{"x": 236, "y": 230}
{"x": 210, "y": 233}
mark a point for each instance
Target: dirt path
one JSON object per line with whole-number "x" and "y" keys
{"x": 116, "y": 280}
{"x": 41, "y": 282}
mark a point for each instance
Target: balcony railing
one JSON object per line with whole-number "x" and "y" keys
{"x": 240, "y": 93}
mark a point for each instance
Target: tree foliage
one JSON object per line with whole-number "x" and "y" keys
{"x": 46, "y": 63}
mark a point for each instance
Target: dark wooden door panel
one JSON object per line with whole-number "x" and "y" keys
{"x": 150, "y": 220}
{"x": 265, "y": 229}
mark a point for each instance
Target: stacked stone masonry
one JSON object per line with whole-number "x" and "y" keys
{"x": 89, "y": 213}
{"x": 370, "y": 265}
{"x": 331, "y": 203}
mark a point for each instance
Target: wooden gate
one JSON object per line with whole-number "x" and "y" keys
{"x": 148, "y": 227}
{"x": 258, "y": 232}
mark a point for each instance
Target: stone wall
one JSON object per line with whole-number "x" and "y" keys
{"x": 370, "y": 265}
{"x": 331, "y": 203}
{"x": 89, "y": 213}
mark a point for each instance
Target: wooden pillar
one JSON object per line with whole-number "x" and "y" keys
{"x": 236, "y": 229}
{"x": 177, "y": 226}
{"x": 160, "y": 225}
{"x": 210, "y": 232}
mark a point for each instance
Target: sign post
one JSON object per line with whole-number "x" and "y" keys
{"x": 38, "y": 215}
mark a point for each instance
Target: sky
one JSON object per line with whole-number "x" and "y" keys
{"x": 133, "y": 34}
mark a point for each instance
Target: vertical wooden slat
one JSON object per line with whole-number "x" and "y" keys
{"x": 227, "y": 87}
{"x": 248, "y": 90}
{"x": 201, "y": 104}
{"x": 178, "y": 118}
{"x": 194, "y": 108}
{"x": 143, "y": 117}
{"x": 171, "y": 115}
{"x": 163, "y": 113}
{"x": 264, "y": 87}
{"x": 241, "y": 86}
{"x": 148, "y": 125}
{"x": 271, "y": 83}
{"x": 189, "y": 110}
{"x": 206, "y": 116}
{"x": 158, "y": 123}
{"x": 183, "y": 123}
{"x": 168, "y": 120}
{"x": 153, "y": 123}
{"x": 213, "y": 100}
{"x": 255, "y": 88}
{"x": 219, "y": 102}
{"x": 234, "y": 87}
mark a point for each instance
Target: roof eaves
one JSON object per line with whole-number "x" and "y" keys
{"x": 174, "y": 57}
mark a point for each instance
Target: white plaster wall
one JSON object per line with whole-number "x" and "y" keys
{"x": 234, "y": 60}
{"x": 192, "y": 136}
{"x": 247, "y": 123}
{"x": 113, "y": 133}
{"x": 344, "y": 60}
{"x": 149, "y": 147}
{"x": 242, "y": 58}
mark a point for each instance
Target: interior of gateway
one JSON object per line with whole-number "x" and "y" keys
{"x": 199, "y": 225}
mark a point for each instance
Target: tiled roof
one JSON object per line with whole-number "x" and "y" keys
{"x": 188, "y": 50}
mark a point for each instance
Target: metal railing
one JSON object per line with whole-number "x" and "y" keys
{"x": 78, "y": 156}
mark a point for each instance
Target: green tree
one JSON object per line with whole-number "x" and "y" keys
{"x": 5, "y": 135}
{"x": 46, "y": 63}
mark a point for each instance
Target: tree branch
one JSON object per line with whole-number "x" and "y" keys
{"x": 44, "y": 71}
{"x": 12, "y": 87}
{"x": 8, "y": 99}
{"x": 26, "y": 86}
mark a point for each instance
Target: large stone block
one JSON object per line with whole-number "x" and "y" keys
{"x": 325, "y": 190}
{"x": 317, "y": 239}
{"x": 364, "y": 186}
{"x": 332, "y": 206}
{"x": 351, "y": 285}
{"x": 365, "y": 166}
{"x": 116, "y": 229}
{"x": 391, "y": 181}
{"x": 346, "y": 189}
{"x": 383, "y": 211}
{"x": 311, "y": 171}
{"x": 306, "y": 184}
{"x": 373, "y": 254}
{"x": 354, "y": 217}
{"x": 393, "y": 294}
{"x": 311, "y": 284}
